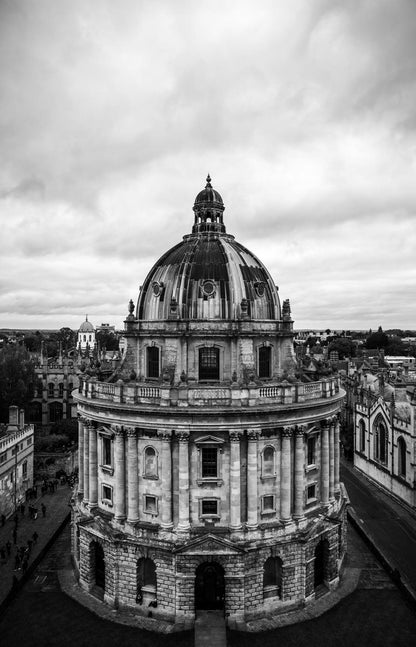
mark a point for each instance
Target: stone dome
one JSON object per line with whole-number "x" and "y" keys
{"x": 86, "y": 326}
{"x": 209, "y": 275}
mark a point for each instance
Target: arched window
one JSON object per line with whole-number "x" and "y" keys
{"x": 209, "y": 364}
{"x": 401, "y": 455}
{"x": 146, "y": 582}
{"x": 268, "y": 462}
{"x": 55, "y": 412}
{"x": 51, "y": 388}
{"x": 272, "y": 577}
{"x": 61, "y": 389}
{"x": 264, "y": 361}
{"x": 153, "y": 370}
{"x": 150, "y": 463}
{"x": 362, "y": 435}
{"x": 381, "y": 442}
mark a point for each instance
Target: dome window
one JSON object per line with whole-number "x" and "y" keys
{"x": 260, "y": 288}
{"x": 158, "y": 288}
{"x": 208, "y": 288}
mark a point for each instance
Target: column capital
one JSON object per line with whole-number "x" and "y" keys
{"x": 131, "y": 432}
{"x": 300, "y": 430}
{"x": 117, "y": 430}
{"x": 164, "y": 435}
{"x": 325, "y": 423}
{"x": 82, "y": 419}
{"x": 253, "y": 434}
{"x": 235, "y": 436}
{"x": 183, "y": 436}
{"x": 88, "y": 422}
{"x": 287, "y": 432}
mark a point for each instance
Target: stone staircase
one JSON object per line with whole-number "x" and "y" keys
{"x": 210, "y": 629}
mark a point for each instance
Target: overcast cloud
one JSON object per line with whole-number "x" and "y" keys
{"x": 112, "y": 113}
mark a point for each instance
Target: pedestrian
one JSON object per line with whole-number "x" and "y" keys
{"x": 24, "y": 565}
{"x": 3, "y": 520}
{"x": 35, "y": 537}
{"x": 35, "y": 513}
{"x": 43, "y": 506}
{"x": 8, "y": 548}
{"x": 16, "y": 562}
{"x": 14, "y": 536}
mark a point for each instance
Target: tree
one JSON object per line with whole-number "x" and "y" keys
{"x": 377, "y": 340}
{"x": 107, "y": 340}
{"x": 345, "y": 347}
{"x": 67, "y": 337}
{"x": 17, "y": 379}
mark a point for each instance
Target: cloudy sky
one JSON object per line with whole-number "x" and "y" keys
{"x": 112, "y": 114}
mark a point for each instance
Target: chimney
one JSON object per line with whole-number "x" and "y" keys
{"x": 21, "y": 418}
{"x": 13, "y": 418}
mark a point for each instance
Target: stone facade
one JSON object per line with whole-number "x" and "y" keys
{"x": 16, "y": 461}
{"x": 208, "y": 468}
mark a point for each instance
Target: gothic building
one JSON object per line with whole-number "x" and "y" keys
{"x": 209, "y": 465}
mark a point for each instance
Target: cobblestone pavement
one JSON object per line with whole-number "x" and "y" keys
{"x": 57, "y": 508}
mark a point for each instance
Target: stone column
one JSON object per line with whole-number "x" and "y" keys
{"x": 80, "y": 456}
{"x": 325, "y": 462}
{"x": 336, "y": 457}
{"x": 183, "y": 523}
{"x": 93, "y": 466}
{"x": 331, "y": 461}
{"x": 235, "y": 495}
{"x": 298, "y": 511}
{"x": 285, "y": 479}
{"x": 252, "y": 495}
{"x": 120, "y": 474}
{"x": 132, "y": 476}
{"x": 86, "y": 461}
{"x": 166, "y": 512}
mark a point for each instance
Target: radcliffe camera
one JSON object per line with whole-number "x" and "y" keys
{"x": 207, "y": 339}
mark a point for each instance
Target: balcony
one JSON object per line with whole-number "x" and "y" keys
{"x": 202, "y": 395}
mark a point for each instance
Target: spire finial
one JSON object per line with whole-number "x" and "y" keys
{"x": 208, "y": 184}
{"x": 86, "y": 317}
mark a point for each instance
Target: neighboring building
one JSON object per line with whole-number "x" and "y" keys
{"x": 208, "y": 468}
{"x": 385, "y": 436}
{"x": 105, "y": 327}
{"x": 57, "y": 378}
{"x": 16, "y": 461}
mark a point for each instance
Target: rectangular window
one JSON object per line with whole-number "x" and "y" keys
{"x": 311, "y": 492}
{"x": 107, "y": 494}
{"x": 3, "y": 457}
{"x": 209, "y": 462}
{"x": 24, "y": 470}
{"x": 150, "y": 504}
{"x": 268, "y": 503}
{"x": 209, "y": 508}
{"x": 311, "y": 451}
{"x": 106, "y": 449}
{"x": 29, "y": 442}
{"x": 209, "y": 364}
{"x": 264, "y": 362}
{"x": 153, "y": 362}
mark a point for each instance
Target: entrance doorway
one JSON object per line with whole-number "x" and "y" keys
{"x": 209, "y": 586}
{"x": 99, "y": 565}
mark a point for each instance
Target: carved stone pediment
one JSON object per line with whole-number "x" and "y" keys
{"x": 209, "y": 440}
{"x": 209, "y": 545}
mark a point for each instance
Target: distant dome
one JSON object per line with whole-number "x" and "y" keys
{"x": 208, "y": 275}
{"x": 86, "y": 326}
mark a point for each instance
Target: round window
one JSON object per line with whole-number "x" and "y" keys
{"x": 156, "y": 289}
{"x": 260, "y": 289}
{"x": 209, "y": 288}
